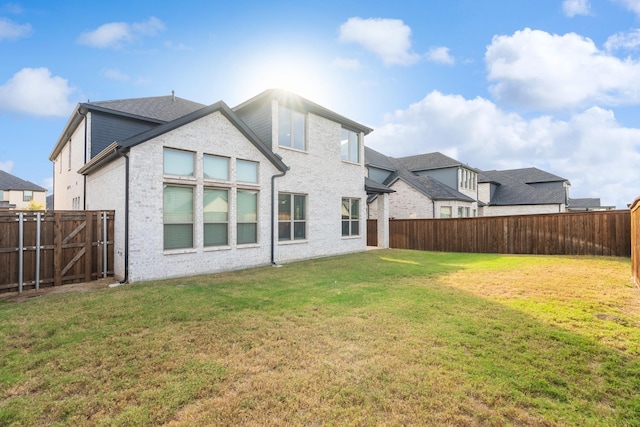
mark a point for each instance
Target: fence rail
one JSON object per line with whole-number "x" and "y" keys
{"x": 588, "y": 233}
{"x": 43, "y": 249}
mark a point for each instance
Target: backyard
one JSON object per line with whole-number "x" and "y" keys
{"x": 384, "y": 337}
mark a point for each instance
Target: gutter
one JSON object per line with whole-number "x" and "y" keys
{"x": 273, "y": 215}
{"x": 120, "y": 152}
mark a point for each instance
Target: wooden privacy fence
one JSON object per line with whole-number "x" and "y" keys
{"x": 587, "y": 233}
{"x": 44, "y": 249}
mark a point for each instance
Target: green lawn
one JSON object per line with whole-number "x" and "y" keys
{"x": 378, "y": 338}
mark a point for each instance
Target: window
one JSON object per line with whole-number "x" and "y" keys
{"x": 178, "y": 217}
{"x": 1, "y": 195}
{"x": 214, "y": 167}
{"x": 69, "y": 144}
{"x": 291, "y": 129}
{"x": 460, "y": 212}
{"x": 216, "y": 217}
{"x": 27, "y": 195}
{"x": 178, "y": 162}
{"x": 445, "y": 211}
{"x": 247, "y": 171}
{"x": 350, "y": 217}
{"x": 247, "y": 217}
{"x": 292, "y": 216}
{"x": 350, "y": 149}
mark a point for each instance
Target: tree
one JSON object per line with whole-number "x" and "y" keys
{"x": 35, "y": 206}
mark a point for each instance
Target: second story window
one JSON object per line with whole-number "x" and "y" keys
{"x": 27, "y": 195}
{"x": 247, "y": 171}
{"x": 178, "y": 162}
{"x": 349, "y": 147}
{"x": 291, "y": 129}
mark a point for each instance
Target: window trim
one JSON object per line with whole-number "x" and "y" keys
{"x": 257, "y": 213}
{"x": 205, "y": 222}
{"x": 292, "y": 221}
{"x": 228, "y": 160}
{"x": 351, "y": 219}
{"x": 348, "y": 158}
{"x": 164, "y": 163}
{"x": 292, "y": 129}
{"x": 192, "y": 223}
{"x": 26, "y": 198}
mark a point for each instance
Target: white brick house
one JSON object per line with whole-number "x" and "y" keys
{"x": 274, "y": 180}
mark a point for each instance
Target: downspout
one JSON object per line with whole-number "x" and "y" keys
{"x": 273, "y": 215}
{"x": 121, "y": 153}
{"x": 84, "y": 187}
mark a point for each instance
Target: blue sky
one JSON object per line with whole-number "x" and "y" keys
{"x": 496, "y": 84}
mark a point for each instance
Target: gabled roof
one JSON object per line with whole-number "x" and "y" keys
{"x": 422, "y": 162}
{"x": 113, "y": 150}
{"x": 373, "y": 187}
{"x": 426, "y": 185}
{"x": 158, "y": 109}
{"x": 296, "y": 102}
{"x": 514, "y": 187}
{"x": 378, "y": 160}
{"x": 10, "y": 182}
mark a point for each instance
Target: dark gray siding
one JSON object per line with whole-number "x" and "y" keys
{"x": 378, "y": 175}
{"x": 547, "y": 185}
{"x": 107, "y": 128}
{"x": 448, "y": 176}
{"x": 259, "y": 121}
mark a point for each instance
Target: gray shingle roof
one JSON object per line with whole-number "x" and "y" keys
{"x": 427, "y": 185}
{"x": 422, "y": 162}
{"x": 11, "y": 182}
{"x": 378, "y": 160}
{"x": 162, "y": 108}
{"x": 513, "y": 187}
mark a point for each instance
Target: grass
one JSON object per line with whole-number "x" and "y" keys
{"x": 378, "y": 338}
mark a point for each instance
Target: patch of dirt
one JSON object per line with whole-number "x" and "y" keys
{"x": 73, "y": 287}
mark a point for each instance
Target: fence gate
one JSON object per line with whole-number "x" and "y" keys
{"x": 43, "y": 249}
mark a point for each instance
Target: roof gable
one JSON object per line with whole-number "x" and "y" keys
{"x": 428, "y": 161}
{"x": 514, "y": 187}
{"x": 113, "y": 150}
{"x": 296, "y": 102}
{"x": 10, "y": 182}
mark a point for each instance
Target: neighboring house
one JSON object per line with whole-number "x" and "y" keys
{"x": 521, "y": 191}
{"x": 16, "y": 193}
{"x": 276, "y": 179}
{"x": 586, "y": 205}
{"x": 425, "y": 186}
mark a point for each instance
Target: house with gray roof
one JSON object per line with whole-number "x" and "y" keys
{"x": 587, "y": 204}
{"x": 424, "y": 186}
{"x": 522, "y": 191}
{"x": 203, "y": 189}
{"x": 17, "y": 193}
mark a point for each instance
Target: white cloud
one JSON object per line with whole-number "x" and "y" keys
{"x": 6, "y": 165}
{"x": 116, "y": 34}
{"x": 572, "y": 8}
{"x": 623, "y": 41}
{"x": 538, "y": 70}
{"x": 390, "y": 39}
{"x": 632, "y": 5}
{"x": 115, "y": 74}
{"x": 35, "y": 91}
{"x": 477, "y": 132}
{"x": 9, "y": 30}
{"x": 346, "y": 63}
{"x": 440, "y": 55}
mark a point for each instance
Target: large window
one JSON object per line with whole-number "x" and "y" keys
{"x": 292, "y": 216}
{"x": 350, "y": 217}
{"x": 350, "y": 150}
{"x": 291, "y": 128}
{"x": 445, "y": 211}
{"x": 247, "y": 217}
{"x": 178, "y": 217}
{"x": 247, "y": 171}
{"x": 1, "y": 195}
{"x": 27, "y": 195}
{"x": 214, "y": 167}
{"x": 178, "y": 162}
{"x": 216, "y": 217}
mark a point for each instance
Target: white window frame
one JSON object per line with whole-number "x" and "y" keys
{"x": 350, "y": 217}
{"x": 165, "y": 163}
{"x": 287, "y": 118}
{"x": 206, "y": 222}
{"x": 169, "y": 223}
{"x": 442, "y": 211}
{"x": 348, "y": 138}
{"x": 245, "y": 222}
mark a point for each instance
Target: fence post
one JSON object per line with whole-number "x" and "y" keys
{"x": 20, "y": 250}
{"x": 38, "y": 219}
{"x": 105, "y": 236}
{"x": 57, "y": 252}
{"x": 88, "y": 246}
